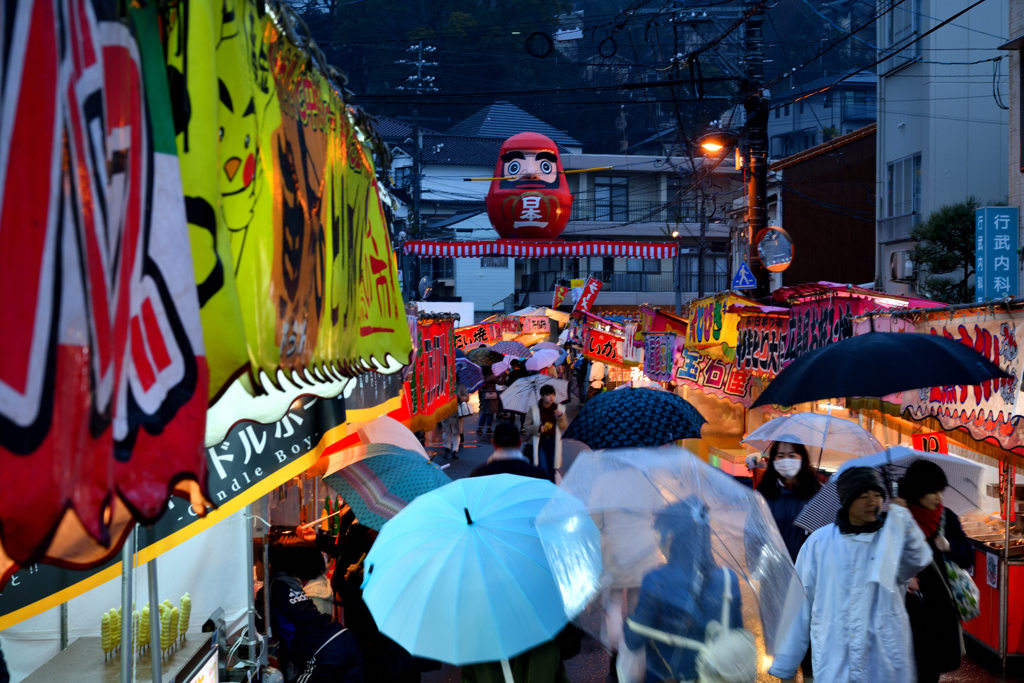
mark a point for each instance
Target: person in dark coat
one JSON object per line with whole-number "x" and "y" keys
{"x": 934, "y": 617}
{"x": 788, "y": 483}
{"x": 321, "y": 650}
{"x": 489, "y": 403}
{"x": 507, "y": 457}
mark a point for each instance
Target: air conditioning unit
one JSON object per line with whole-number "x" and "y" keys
{"x": 902, "y": 268}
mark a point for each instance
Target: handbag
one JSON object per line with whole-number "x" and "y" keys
{"x": 465, "y": 410}
{"x": 961, "y": 585}
{"x": 490, "y": 395}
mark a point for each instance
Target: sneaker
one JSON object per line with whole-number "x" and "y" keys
{"x": 462, "y": 439}
{"x": 490, "y": 431}
{"x": 455, "y": 456}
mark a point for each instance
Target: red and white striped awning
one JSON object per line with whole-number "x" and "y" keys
{"x": 537, "y": 249}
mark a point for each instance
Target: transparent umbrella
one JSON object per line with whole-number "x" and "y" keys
{"x": 670, "y": 523}
{"x": 829, "y": 440}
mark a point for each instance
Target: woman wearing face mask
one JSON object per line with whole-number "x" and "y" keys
{"x": 787, "y": 485}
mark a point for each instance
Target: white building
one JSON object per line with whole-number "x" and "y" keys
{"x": 942, "y": 135}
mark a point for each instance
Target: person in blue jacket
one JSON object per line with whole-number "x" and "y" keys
{"x": 682, "y": 597}
{"x": 787, "y": 485}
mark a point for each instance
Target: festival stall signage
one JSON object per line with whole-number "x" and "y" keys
{"x": 536, "y": 324}
{"x": 660, "y": 351}
{"x": 988, "y": 411}
{"x": 589, "y": 295}
{"x": 818, "y": 323}
{"x": 654, "y": 321}
{"x": 716, "y": 377}
{"x": 432, "y": 385}
{"x": 712, "y": 330}
{"x": 632, "y": 354}
{"x": 761, "y": 344}
{"x": 485, "y": 333}
{"x": 603, "y": 346}
{"x": 561, "y": 292}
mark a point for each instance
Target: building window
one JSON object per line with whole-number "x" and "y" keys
{"x": 902, "y": 20}
{"x": 494, "y": 262}
{"x": 903, "y": 182}
{"x": 778, "y": 111}
{"x": 801, "y": 106}
{"x": 438, "y": 268}
{"x": 785, "y": 110}
{"x": 611, "y": 195}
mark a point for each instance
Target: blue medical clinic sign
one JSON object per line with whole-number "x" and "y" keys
{"x": 996, "y": 261}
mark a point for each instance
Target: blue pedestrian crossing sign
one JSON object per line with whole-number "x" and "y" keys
{"x": 744, "y": 279}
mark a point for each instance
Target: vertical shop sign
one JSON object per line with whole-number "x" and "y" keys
{"x": 996, "y": 259}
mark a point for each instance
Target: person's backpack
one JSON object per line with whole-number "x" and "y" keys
{"x": 727, "y": 655}
{"x": 961, "y": 585}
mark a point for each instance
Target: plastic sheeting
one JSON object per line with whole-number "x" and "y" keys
{"x": 628, "y": 491}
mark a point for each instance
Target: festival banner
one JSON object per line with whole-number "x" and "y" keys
{"x": 603, "y": 346}
{"x": 818, "y": 323}
{"x": 712, "y": 330}
{"x": 654, "y": 321}
{"x": 761, "y": 344}
{"x": 988, "y": 411}
{"x": 660, "y": 352}
{"x": 716, "y": 377}
{"x": 510, "y": 326}
{"x": 589, "y": 295}
{"x": 486, "y": 333}
{"x": 430, "y": 392}
{"x": 536, "y": 324}
{"x": 560, "y": 293}
{"x": 103, "y": 373}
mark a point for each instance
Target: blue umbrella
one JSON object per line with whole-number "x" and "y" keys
{"x": 461, "y": 575}
{"x": 378, "y": 487}
{"x": 635, "y": 418}
{"x": 469, "y": 373}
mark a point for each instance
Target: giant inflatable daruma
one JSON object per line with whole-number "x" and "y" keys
{"x": 529, "y": 197}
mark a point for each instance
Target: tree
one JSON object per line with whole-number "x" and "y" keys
{"x": 945, "y": 252}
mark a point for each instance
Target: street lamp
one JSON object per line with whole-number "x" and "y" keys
{"x": 714, "y": 143}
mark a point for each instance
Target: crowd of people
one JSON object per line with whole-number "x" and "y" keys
{"x": 878, "y": 608}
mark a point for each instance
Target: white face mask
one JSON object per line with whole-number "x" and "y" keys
{"x": 788, "y": 468}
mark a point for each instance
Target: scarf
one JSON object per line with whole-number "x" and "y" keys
{"x": 506, "y": 454}
{"x": 843, "y": 522}
{"x": 928, "y": 520}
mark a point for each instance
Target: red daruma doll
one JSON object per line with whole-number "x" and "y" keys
{"x": 529, "y": 198}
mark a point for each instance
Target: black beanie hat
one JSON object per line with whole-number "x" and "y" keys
{"x": 856, "y": 481}
{"x": 922, "y": 477}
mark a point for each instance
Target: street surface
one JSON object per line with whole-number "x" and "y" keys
{"x": 592, "y": 665}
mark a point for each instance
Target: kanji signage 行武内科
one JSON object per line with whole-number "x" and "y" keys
{"x": 996, "y": 259}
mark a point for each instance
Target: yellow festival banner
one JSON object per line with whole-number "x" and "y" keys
{"x": 712, "y": 331}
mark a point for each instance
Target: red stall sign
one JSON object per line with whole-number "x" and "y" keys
{"x": 560, "y": 293}
{"x": 590, "y": 291}
{"x": 932, "y": 442}
{"x": 603, "y": 346}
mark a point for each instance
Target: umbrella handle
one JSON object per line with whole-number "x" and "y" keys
{"x": 506, "y": 670}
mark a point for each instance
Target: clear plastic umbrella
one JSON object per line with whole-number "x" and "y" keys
{"x": 830, "y": 440}
{"x": 669, "y": 525}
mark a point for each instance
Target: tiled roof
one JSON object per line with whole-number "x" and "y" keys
{"x": 502, "y": 120}
{"x": 455, "y": 150}
{"x": 393, "y": 129}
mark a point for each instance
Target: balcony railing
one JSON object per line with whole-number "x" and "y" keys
{"x": 620, "y": 281}
{"x": 897, "y": 228}
{"x": 628, "y": 211}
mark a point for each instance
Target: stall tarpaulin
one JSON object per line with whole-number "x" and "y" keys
{"x": 660, "y": 352}
{"x": 716, "y": 377}
{"x": 655, "y": 321}
{"x": 103, "y": 371}
{"x": 430, "y": 392}
{"x": 712, "y": 330}
{"x": 254, "y": 460}
{"x": 761, "y": 344}
{"x": 990, "y": 411}
{"x": 603, "y": 346}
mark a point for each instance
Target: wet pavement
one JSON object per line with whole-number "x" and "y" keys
{"x": 592, "y": 664}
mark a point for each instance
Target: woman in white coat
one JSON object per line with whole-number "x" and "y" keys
{"x": 855, "y": 572}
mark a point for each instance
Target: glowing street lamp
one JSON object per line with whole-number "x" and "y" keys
{"x": 715, "y": 143}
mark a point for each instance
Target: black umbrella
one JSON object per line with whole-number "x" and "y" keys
{"x": 878, "y": 364}
{"x": 635, "y": 418}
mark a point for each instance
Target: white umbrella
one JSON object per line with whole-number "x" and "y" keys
{"x": 383, "y": 430}
{"x": 837, "y": 440}
{"x": 961, "y": 496}
{"x": 525, "y": 392}
{"x": 541, "y": 359}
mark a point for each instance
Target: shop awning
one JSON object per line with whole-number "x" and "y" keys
{"x": 537, "y": 249}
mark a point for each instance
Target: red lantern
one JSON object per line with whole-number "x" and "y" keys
{"x": 529, "y": 197}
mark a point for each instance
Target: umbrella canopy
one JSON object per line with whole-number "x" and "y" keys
{"x": 878, "y": 364}
{"x": 634, "y": 494}
{"x": 961, "y": 496}
{"x": 462, "y": 576}
{"x": 378, "y": 487}
{"x": 546, "y": 345}
{"x": 459, "y": 353}
{"x": 484, "y": 355}
{"x": 541, "y": 359}
{"x": 469, "y": 373}
{"x": 512, "y": 348}
{"x": 384, "y": 430}
{"x": 835, "y": 439}
{"x": 502, "y": 366}
{"x": 640, "y": 384}
{"x": 525, "y": 392}
{"x": 635, "y": 418}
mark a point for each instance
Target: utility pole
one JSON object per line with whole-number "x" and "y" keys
{"x": 419, "y": 84}
{"x": 702, "y": 242}
{"x": 756, "y": 108}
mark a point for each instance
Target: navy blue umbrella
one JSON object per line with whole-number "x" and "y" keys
{"x": 878, "y": 364}
{"x": 469, "y": 373}
{"x": 635, "y": 418}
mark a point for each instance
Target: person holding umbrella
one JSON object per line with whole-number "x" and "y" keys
{"x": 855, "y": 572}
{"x": 546, "y": 421}
{"x": 934, "y": 617}
{"x": 489, "y": 403}
{"x": 788, "y": 483}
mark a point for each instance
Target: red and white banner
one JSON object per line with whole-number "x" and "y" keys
{"x": 530, "y": 249}
{"x": 560, "y": 294}
{"x": 590, "y": 292}
{"x": 603, "y": 346}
